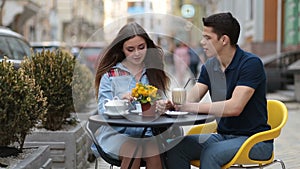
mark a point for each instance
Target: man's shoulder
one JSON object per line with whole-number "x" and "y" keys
{"x": 247, "y": 56}
{"x": 247, "y": 53}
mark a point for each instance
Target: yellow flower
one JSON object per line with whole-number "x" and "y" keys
{"x": 145, "y": 93}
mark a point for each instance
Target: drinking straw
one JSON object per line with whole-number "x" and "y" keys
{"x": 189, "y": 81}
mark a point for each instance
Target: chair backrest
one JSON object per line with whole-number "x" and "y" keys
{"x": 91, "y": 129}
{"x": 277, "y": 117}
{"x": 277, "y": 114}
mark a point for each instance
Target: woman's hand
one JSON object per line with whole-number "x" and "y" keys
{"x": 177, "y": 107}
{"x": 163, "y": 105}
{"x": 127, "y": 96}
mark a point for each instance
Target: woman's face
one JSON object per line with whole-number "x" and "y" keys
{"x": 135, "y": 50}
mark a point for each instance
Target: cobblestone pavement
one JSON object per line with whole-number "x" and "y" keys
{"x": 287, "y": 146}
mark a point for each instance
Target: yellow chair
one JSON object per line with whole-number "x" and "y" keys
{"x": 277, "y": 117}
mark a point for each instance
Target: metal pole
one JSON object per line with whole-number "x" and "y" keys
{"x": 278, "y": 43}
{"x": 147, "y": 5}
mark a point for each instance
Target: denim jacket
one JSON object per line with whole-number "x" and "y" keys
{"x": 116, "y": 82}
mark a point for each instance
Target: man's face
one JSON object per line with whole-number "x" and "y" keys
{"x": 210, "y": 42}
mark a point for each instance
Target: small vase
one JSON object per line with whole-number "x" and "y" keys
{"x": 148, "y": 109}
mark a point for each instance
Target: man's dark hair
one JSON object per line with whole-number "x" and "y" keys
{"x": 224, "y": 24}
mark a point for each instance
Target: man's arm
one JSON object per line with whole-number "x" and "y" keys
{"x": 232, "y": 107}
{"x": 196, "y": 93}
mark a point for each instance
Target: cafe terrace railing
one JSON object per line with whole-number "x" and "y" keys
{"x": 278, "y": 76}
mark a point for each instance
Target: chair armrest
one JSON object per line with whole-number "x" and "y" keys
{"x": 206, "y": 128}
{"x": 242, "y": 156}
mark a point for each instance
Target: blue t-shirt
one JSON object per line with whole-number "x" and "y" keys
{"x": 246, "y": 69}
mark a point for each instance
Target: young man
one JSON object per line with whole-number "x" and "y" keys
{"x": 236, "y": 82}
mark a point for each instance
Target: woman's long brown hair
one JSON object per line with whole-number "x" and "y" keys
{"x": 154, "y": 61}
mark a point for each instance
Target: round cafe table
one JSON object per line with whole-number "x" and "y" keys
{"x": 155, "y": 123}
{"x": 135, "y": 120}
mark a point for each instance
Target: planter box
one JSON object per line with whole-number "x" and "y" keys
{"x": 31, "y": 157}
{"x": 68, "y": 148}
{"x": 40, "y": 158}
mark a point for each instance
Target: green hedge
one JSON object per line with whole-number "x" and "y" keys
{"x": 22, "y": 104}
{"x": 60, "y": 77}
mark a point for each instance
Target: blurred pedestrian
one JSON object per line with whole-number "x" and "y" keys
{"x": 194, "y": 61}
{"x": 181, "y": 62}
{"x": 197, "y": 58}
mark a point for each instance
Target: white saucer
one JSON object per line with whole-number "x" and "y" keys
{"x": 176, "y": 113}
{"x": 135, "y": 112}
{"x": 116, "y": 115}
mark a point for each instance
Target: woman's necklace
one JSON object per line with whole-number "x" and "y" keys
{"x": 137, "y": 73}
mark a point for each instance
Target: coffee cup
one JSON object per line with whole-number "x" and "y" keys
{"x": 178, "y": 96}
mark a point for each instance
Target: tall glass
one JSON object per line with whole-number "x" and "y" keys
{"x": 178, "y": 96}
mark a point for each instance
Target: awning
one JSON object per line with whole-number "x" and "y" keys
{"x": 30, "y": 9}
{"x": 21, "y": 12}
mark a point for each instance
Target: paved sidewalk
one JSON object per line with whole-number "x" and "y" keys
{"x": 287, "y": 146}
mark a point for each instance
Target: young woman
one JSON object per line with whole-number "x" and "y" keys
{"x": 130, "y": 58}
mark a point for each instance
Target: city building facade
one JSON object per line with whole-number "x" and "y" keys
{"x": 268, "y": 26}
{"x": 70, "y": 21}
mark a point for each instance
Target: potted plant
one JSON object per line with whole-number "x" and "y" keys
{"x": 67, "y": 85}
{"x": 146, "y": 95}
{"x": 22, "y": 104}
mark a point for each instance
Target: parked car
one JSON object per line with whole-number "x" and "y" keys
{"x": 89, "y": 53}
{"x": 13, "y": 45}
{"x": 49, "y": 45}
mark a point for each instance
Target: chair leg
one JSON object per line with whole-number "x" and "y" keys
{"x": 276, "y": 161}
{"x": 281, "y": 162}
{"x": 261, "y": 167}
{"x": 96, "y": 163}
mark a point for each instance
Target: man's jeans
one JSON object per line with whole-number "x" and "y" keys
{"x": 213, "y": 150}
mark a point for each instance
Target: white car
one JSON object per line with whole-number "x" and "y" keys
{"x": 13, "y": 45}
{"x": 89, "y": 53}
{"x": 49, "y": 45}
